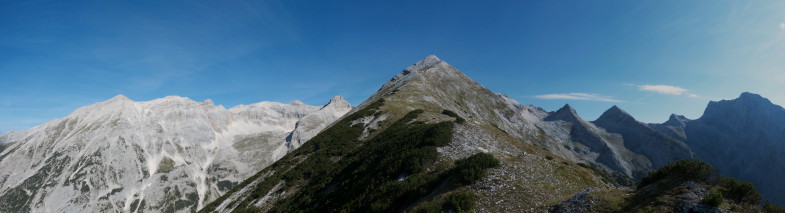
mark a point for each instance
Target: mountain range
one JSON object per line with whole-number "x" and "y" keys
{"x": 430, "y": 138}
{"x": 165, "y": 155}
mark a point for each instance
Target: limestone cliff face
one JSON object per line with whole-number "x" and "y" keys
{"x": 166, "y": 155}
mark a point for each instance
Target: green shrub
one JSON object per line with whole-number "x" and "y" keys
{"x": 680, "y": 171}
{"x": 461, "y": 201}
{"x": 714, "y": 198}
{"x": 385, "y": 174}
{"x": 458, "y": 119}
{"x": 740, "y": 191}
{"x": 473, "y": 168}
{"x": 771, "y": 208}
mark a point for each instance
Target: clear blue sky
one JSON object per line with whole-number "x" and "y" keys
{"x": 651, "y": 58}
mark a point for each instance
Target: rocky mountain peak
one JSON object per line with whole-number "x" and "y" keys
{"x": 752, "y": 97}
{"x": 746, "y": 106}
{"x": 119, "y": 98}
{"x": 411, "y": 72}
{"x": 566, "y": 113}
{"x": 676, "y": 120}
{"x": 425, "y": 63}
{"x": 339, "y": 102}
{"x": 615, "y": 114}
{"x": 209, "y": 102}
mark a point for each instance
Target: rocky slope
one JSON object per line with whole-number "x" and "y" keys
{"x": 166, "y": 155}
{"x": 594, "y": 144}
{"x": 430, "y": 96}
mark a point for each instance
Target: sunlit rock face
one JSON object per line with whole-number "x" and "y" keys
{"x": 166, "y": 155}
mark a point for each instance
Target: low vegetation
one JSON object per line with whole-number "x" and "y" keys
{"x": 676, "y": 185}
{"x": 458, "y": 119}
{"x": 392, "y": 172}
{"x": 680, "y": 171}
{"x": 771, "y": 208}
{"x": 714, "y": 198}
{"x": 473, "y": 168}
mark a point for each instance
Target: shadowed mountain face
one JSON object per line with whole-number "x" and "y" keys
{"x": 594, "y": 144}
{"x": 674, "y": 127}
{"x": 744, "y": 138}
{"x": 643, "y": 139}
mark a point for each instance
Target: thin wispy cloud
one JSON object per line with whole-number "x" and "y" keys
{"x": 782, "y": 25}
{"x": 578, "y": 96}
{"x": 665, "y": 90}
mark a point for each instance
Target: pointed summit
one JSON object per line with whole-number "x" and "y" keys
{"x": 566, "y": 113}
{"x": 749, "y": 95}
{"x": 676, "y": 120}
{"x": 425, "y": 63}
{"x": 339, "y": 102}
{"x": 412, "y": 72}
{"x": 119, "y": 97}
{"x": 615, "y": 114}
{"x": 567, "y": 107}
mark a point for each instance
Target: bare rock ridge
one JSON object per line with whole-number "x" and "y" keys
{"x": 310, "y": 125}
{"x": 171, "y": 154}
{"x": 593, "y": 144}
{"x": 493, "y": 124}
{"x": 641, "y": 138}
{"x": 566, "y": 113}
{"x": 674, "y": 127}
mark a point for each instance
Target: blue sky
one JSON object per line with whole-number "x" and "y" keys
{"x": 651, "y": 58}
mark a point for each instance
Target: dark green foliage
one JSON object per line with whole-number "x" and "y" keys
{"x": 474, "y": 168}
{"x": 739, "y": 190}
{"x": 135, "y": 205}
{"x": 680, "y": 171}
{"x": 360, "y": 182}
{"x": 771, "y": 208}
{"x": 319, "y": 154}
{"x": 670, "y": 177}
{"x": 461, "y": 201}
{"x": 458, "y": 119}
{"x": 714, "y": 198}
{"x": 225, "y": 185}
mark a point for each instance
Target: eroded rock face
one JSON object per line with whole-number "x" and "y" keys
{"x": 168, "y": 154}
{"x": 744, "y": 138}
